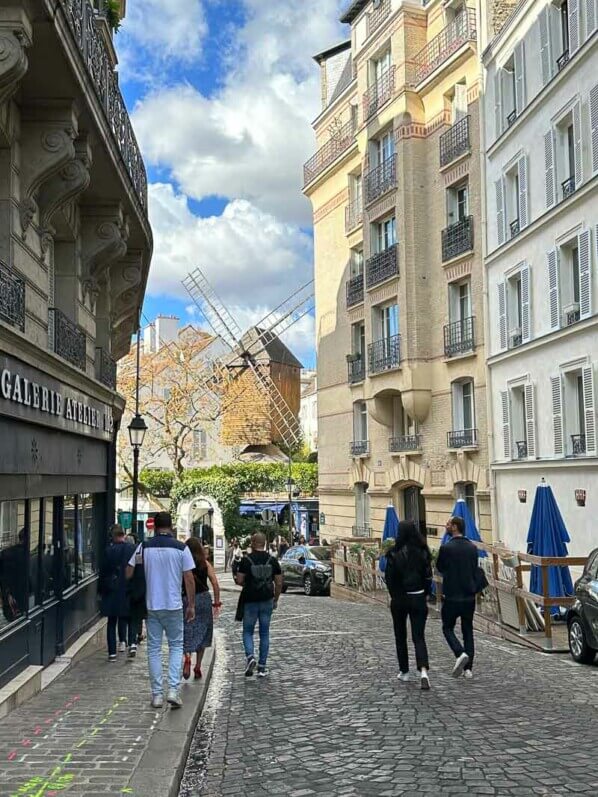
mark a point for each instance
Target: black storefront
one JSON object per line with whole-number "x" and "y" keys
{"x": 57, "y": 465}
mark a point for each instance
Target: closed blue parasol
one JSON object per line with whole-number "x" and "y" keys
{"x": 462, "y": 510}
{"x": 548, "y": 536}
{"x": 390, "y": 531}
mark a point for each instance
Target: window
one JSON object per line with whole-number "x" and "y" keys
{"x": 509, "y": 89}
{"x": 362, "y": 509}
{"x": 385, "y": 321}
{"x": 574, "y": 411}
{"x": 13, "y": 558}
{"x": 570, "y": 281}
{"x": 457, "y": 203}
{"x": 458, "y": 103}
{"x": 356, "y": 263}
{"x": 518, "y": 418}
{"x": 514, "y": 308}
{"x": 200, "y": 444}
{"x": 379, "y": 67}
{"x": 466, "y": 492}
{"x": 564, "y": 27}
{"x": 47, "y": 550}
{"x": 563, "y": 156}
{"x": 383, "y": 148}
{"x": 69, "y": 520}
{"x": 463, "y": 432}
{"x": 35, "y": 516}
{"x": 88, "y": 534}
{"x": 459, "y": 301}
{"x": 402, "y": 424}
{"x": 385, "y": 234}
{"x": 512, "y": 201}
{"x": 358, "y": 338}
{"x": 360, "y": 422}
{"x": 356, "y": 189}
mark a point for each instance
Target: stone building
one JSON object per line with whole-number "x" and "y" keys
{"x": 308, "y": 412}
{"x": 75, "y": 248}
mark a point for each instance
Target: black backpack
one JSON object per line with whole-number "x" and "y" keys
{"x": 261, "y": 576}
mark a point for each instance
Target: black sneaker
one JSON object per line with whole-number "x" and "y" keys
{"x": 262, "y": 672}
{"x": 250, "y": 668}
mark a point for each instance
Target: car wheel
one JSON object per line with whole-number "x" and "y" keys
{"x": 578, "y": 646}
{"x": 308, "y": 586}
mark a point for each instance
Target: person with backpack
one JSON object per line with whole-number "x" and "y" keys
{"x": 408, "y": 577}
{"x": 260, "y": 576}
{"x": 115, "y": 603}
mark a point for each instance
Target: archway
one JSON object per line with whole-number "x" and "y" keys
{"x": 200, "y": 516}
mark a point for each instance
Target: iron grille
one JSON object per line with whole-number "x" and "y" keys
{"x": 511, "y": 117}
{"x": 463, "y": 438}
{"x": 578, "y": 444}
{"x": 461, "y": 30}
{"x": 459, "y": 337}
{"x": 356, "y": 370}
{"x": 12, "y": 299}
{"x": 521, "y": 446}
{"x": 568, "y": 187}
{"x": 514, "y": 226}
{"x": 360, "y": 448}
{"x": 562, "y": 60}
{"x": 69, "y": 339}
{"x": 379, "y": 93}
{"x": 455, "y": 142}
{"x": 106, "y": 369}
{"x": 405, "y": 442}
{"x": 572, "y": 317}
{"x": 382, "y": 266}
{"x": 355, "y": 290}
{"x": 457, "y": 238}
{"x": 339, "y": 141}
{"x": 353, "y": 214}
{"x": 385, "y": 354}
{"x": 381, "y": 179}
{"x": 361, "y": 531}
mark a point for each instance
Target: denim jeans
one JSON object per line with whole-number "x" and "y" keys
{"x": 253, "y": 612}
{"x": 125, "y": 632}
{"x": 171, "y": 623}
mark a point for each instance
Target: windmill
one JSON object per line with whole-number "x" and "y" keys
{"x": 246, "y": 349}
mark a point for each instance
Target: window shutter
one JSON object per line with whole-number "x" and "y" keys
{"x": 519, "y": 58}
{"x": 498, "y": 102}
{"x": 526, "y": 332}
{"x": 574, "y": 32}
{"x": 577, "y": 144}
{"x": 585, "y": 274}
{"x": 553, "y": 288}
{"x": 549, "y": 168}
{"x": 502, "y": 314}
{"x": 594, "y": 127}
{"x": 523, "y": 193}
{"x": 590, "y": 17}
{"x": 589, "y": 408}
{"x": 557, "y": 415}
{"x": 500, "y": 211}
{"x": 530, "y": 420}
{"x": 545, "y": 48}
{"x": 460, "y": 102}
{"x": 506, "y": 425}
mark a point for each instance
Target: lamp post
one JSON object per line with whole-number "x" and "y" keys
{"x": 137, "y": 430}
{"x": 290, "y": 485}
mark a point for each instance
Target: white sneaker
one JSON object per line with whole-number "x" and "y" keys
{"x": 122, "y": 648}
{"x": 174, "y": 699}
{"x": 425, "y": 680}
{"x": 459, "y": 665}
{"x": 157, "y": 701}
{"x": 132, "y": 651}
{"x": 468, "y": 674}
{"x": 404, "y": 677}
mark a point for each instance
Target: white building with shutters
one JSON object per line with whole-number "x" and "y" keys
{"x": 541, "y": 140}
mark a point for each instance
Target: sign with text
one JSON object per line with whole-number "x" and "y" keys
{"x": 149, "y": 524}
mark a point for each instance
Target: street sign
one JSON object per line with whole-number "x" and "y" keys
{"x": 125, "y": 519}
{"x": 149, "y": 524}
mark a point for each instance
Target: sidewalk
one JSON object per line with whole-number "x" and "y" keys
{"x": 92, "y": 732}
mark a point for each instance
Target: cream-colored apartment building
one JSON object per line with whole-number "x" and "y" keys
{"x": 396, "y": 191}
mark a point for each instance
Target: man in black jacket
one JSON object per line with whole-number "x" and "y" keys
{"x": 458, "y": 563}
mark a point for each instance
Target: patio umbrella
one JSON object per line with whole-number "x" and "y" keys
{"x": 462, "y": 510}
{"x": 389, "y": 532}
{"x": 547, "y": 536}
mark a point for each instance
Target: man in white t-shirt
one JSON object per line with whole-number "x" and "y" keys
{"x": 168, "y": 564}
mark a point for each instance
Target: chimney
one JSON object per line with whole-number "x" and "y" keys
{"x": 149, "y": 339}
{"x": 167, "y": 330}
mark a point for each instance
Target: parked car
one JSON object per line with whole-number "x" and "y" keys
{"x": 582, "y": 617}
{"x": 309, "y": 567}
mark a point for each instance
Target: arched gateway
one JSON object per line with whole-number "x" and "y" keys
{"x": 200, "y": 516}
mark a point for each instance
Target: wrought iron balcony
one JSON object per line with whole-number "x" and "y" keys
{"x": 353, "y": 215}
{"x": 360, "y": 448}
{"x": 455, "y": 142}
{"x": 81, "y": 19}
{"x": 459, "y": 337}
{"x": 405, "y": 442}
{"x": 356, "y": 369}
{"x": 376, "y": 17}
{"x": 385, "y": 354}
{"x": 382, "y": 266}
{"x": 571, "y": 315}
{"x": 355, "y": 290}
{"x": 340, "y": 140}
{"x": 578, "y": 444}
{"x": 568, "y": 187}
{"x": 514, "y": 227}
{"x": 461, "y": 30}
{"x": 515, "y": 338}
{"x": 379, "y": 93}
{"x": 463, "y": 438}
{"x": 457, "y": 238}
{"x": 381, "y": 179}
{"x": 521, "y": 446}
{"x": 562, "y": 60}
{"x": 105, "y": 369}
{"x": 68, "y": 339}
{"x": 511, "y": 117}
{"x": 361, "y": 531}
{"x": 12, "y": 299}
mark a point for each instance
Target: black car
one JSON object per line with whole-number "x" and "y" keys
{"x": 309, "y": 567}
{"x": 582, "y": 617}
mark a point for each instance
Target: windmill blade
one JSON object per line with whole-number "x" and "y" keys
{"x": 215, "y": 313}
{"x": 285, "y": 421}
{"x": 282, "y": 318}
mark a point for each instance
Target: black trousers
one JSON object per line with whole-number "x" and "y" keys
{"x": 451, "y": 612}
{"x": 125, "y": 632}
{"x": 414, "y": 607}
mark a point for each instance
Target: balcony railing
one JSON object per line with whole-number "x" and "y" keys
{"x": 568, "y": 187}
{"x": 562, "y": 60}
{"x": 514, "y": 227}
{"x": 353, "y": 214}
{"x": 405, "y": 442}
{"x": 461, "y": 30}
{"x": 457, "y": 238}
{"x": 361, "y": 531}
{"x": 360, "y": 448}
{"x": 459, "y": 337}
{"x": 578, "y": 444}
{"x": 455, "y": 142}
{"x": 381, "y": 179}
{"x": 82, "y": 22}
{"x": 69, "y": 341}
{"x": 385, "y": 354}
{"x": 12, "y": 299}
{"x": 105, "y": 369}
{"x": 463, "y": 438}
{"x": 515, "y": 338}
{"x": 572, "y": 315}
{"x": 376, "y": 17}
{"x": 356, "y": 369}
{"x": 339, "y": 141}
{"x": 355, "y": 290}
{"x": 382, "y": 266}
{"x": 511, "y": 117}
{"x": 379, "y": 93}
{"x": 521, "y": 446}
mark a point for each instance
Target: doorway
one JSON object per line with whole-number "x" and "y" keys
{"x": 414, "y": 507}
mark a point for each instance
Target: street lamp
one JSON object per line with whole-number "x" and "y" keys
{"x": 290, "y": 483}
{"x": 137, "y": 430}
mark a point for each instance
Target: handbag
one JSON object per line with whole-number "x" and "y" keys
{"x": 240, "y": 608}
{"x": 481, "y": 581}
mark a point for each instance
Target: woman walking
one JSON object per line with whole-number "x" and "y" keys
{"x": 409, "y": 577}
{"x": 115, "y": 604}
{"x": 199, "y": 632}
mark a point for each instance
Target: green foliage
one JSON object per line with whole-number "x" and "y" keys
{"x": 112, "y": 12}
{"x": 388, "y": 545}
{"x": 222, "y": 488}
{"x": 157, "y": 482}
{"x": 263, "y": 477}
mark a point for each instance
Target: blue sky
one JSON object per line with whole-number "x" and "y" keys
{"x": 222, "y": 94}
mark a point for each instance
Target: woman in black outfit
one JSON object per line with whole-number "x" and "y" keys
{"x": 409, "y": 577}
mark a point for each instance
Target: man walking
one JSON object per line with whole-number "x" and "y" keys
{"x": 115, "y": 599}
{"x": 458, "y": 563}
{"x": 168, "y": 564}
{"x": 261, "y": 578}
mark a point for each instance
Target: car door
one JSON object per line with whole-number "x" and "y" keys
{"x": 587, "y": 590}
{"x": 302, "y": 558}
{"x": 289, "y": 564}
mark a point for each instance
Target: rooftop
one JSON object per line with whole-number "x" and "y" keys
{"x": 353, "y": 9}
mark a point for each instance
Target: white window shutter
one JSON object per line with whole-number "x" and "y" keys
{"x": 526, "y": 331}
{"x": 549, "y": 166}
{"x": 530, "y": 420}
{"x": 574, "y": 31}
{"x": 553, "y": 288}
{"x": 498, "y": 102}
{"x": 557, "y": 414}
{"x": 506, "y": 425}
{"x": 460, "y": 102}
{"x": 585, "y": 274}
{"x": 594, "y": 127}
{"x": 589, "y": 408}
{"x": 500, "y": 211}
{"x": 502, "y": 314}
{"x": 545, "y": 45}
{"x": 519, "y": 59}
{"x": 577, "y": 144}
{"x": 523, "y": 192}
{"x": 590, "y": 17}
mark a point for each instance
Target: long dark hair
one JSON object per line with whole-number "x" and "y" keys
{"x": 198, "y": 552}
{"x": 410, "y": 536}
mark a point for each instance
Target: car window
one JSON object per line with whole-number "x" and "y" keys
{"x": 290, "y": 554}
{"x": 320, "y": 553}
{"x": 592, "y": 566}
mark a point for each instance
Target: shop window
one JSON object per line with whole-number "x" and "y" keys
{"x": 35, "y": 516}
{"x": 88, "y": 535}
{"x": 13, "y": 557}
{"x": 48, "y": 589}
{"x": 69, "y": 542}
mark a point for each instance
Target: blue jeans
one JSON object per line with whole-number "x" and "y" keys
{"x": 253, "y": 612}
{"x": 159, "y": 622}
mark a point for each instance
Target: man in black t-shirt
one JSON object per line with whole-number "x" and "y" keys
{"x": 261, "y": 578}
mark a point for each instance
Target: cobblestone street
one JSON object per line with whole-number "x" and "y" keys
{"x": 332, "y": 718}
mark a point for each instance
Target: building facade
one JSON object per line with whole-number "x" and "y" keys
{"x": 308, "y": 412}
{"x": 541, "y": 132}
{"x": 75, "y": 246}
{"x": 396, "y": 189}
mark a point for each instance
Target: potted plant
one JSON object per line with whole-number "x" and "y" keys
{"x": 112, "y": 13}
